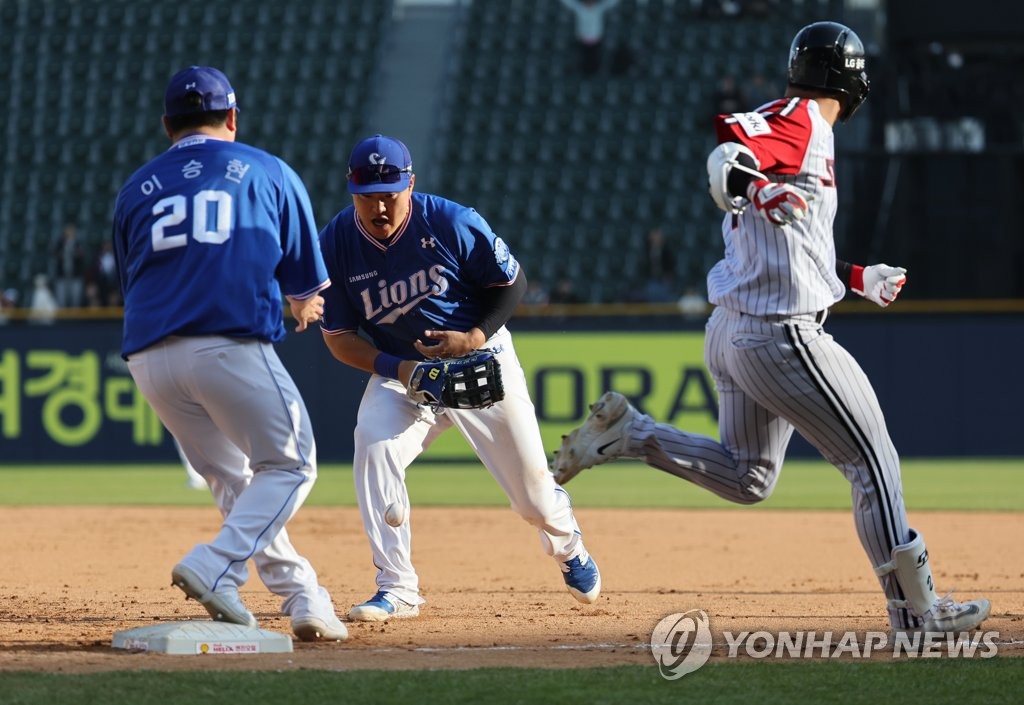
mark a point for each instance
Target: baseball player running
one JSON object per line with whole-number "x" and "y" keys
{"x": 774, "y": 366}
{"x": 423, "y": 277}
{"x": 207, "y": 235}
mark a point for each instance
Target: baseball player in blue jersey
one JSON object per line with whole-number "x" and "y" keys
{"x": 775, "y": 368}
{"x": 207, "y": 236}
{"x": 422, "y": 277}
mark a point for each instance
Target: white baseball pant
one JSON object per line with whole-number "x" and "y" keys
{"x": 391, "y": 431}
{"x": 243, "y": 426}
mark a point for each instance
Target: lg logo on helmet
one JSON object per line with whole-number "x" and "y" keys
{"x": 856, "y": 63}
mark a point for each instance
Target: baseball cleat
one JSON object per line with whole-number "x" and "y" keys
{"x": 948, "y": 615}
{"x": 582, "y": 578}
{"x": 313, "y": 617}
{"x": 316, "y": 629}
{"x": 601, "y": 438}
{"x": 222, "y": 606}
{"x": 382, "y": 607}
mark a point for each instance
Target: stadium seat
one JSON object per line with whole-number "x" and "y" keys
{"x": 550, "y": 149}
{"x": 84, "y": 87}
{"x": 612, "y": 147}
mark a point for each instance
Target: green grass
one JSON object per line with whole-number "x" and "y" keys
{"x": 992, "y": 681}
{"x": 962, "y": 484}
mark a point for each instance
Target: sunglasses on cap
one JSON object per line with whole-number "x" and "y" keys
{"x": 377, "y": 174}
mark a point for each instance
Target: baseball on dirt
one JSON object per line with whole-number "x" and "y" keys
{"x": 394, "y": 515}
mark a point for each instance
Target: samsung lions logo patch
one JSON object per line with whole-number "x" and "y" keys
{"x": 501, "y": 253}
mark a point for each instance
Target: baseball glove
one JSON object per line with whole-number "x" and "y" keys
{"x": 471, "y": 381}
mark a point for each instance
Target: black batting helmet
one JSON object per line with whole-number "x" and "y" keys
{"x": 828, "y": 56}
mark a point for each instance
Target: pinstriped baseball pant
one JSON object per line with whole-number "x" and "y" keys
{"x": 774, "y": 377}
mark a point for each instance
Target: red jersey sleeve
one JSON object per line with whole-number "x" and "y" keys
{"x": 778, "y": 134}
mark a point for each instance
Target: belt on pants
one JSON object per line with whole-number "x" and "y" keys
{"x": 819, "y": 316}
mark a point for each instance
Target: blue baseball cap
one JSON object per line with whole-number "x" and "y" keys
{"x": 210, "y": 83}
{"x": 379, "y": 164}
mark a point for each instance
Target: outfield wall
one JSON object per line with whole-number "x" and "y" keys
{"x": 950, "y": 384}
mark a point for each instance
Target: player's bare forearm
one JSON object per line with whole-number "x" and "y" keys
{"x": 450, "y": 343}
{"x": 352, "y": 349}
{"x": 306, "y": 311}
{"x": 355, "y": 351}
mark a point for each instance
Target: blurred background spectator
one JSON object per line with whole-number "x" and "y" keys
{"x": 536, "y": 294}
{"x": 589, "y": 33}
{"x": 67, "y": 267}
{"x": 757, "y": 91}
{"x": 43, "y": 307}
{"x": 565, "y": 292}
{"x": 692, "y": 305}
{"x": 727, "y": 98}
{"x": 8, "y": 302}
{"x": 102, "y": 287}
{"x": 718, "y": 9}
{"x": 659, "y": 269}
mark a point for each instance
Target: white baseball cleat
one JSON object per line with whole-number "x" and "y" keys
{"x": 313, "y": 617}
{"x": 223, "y": 606}
{"x": 601, "y": 438}
{"x": 311, "y": 628}
{"x": 948, "y": 615}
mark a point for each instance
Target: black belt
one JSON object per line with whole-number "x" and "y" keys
{"x": 819, "y": 316}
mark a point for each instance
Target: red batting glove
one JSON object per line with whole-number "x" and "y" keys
{"x": 879, "y": 282}
{"x": 779, "y": 204}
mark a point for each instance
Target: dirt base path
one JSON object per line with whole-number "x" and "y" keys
{"x": 71, "y": 577}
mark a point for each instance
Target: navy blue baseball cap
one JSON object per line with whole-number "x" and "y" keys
{"x": 208, "y": 82}
{"x": 379, "y": 164}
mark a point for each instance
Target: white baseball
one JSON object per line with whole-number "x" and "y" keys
{"x": 394, "y": 515}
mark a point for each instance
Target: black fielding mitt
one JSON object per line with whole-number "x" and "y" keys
{"x": 471, "y": 381}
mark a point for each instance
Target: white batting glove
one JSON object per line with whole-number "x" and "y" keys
{"x": 879, "y": 282}
{"x": 779, "y": 204}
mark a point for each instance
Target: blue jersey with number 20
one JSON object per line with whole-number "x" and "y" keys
{"x": 207, "y": 236}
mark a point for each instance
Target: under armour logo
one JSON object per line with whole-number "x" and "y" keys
{"x": 426, "y": 242}
{"x": 190, "y": 86}
{"x": 377, "y": 158}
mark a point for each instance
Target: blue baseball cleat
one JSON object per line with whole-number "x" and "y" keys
{"x": 582, "y": 578}
{"x": 381, "y": 607}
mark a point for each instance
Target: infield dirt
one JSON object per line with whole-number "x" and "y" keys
{"x": 72, "y": 576}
